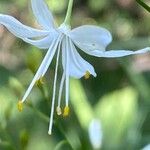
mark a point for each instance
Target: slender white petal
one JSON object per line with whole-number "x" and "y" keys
{"x": 20, "y": 30}
{"x": 43, "y": 67}
{"x": 42, "y": 14}
{"x": 77, "y": 65}
{"x": 90, "y": 38}
{"x": 54, "y": 92}
{"x": 43, "y": 43}
{"x": 118, "y": 53}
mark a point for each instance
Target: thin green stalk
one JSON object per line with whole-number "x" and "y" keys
{"x": 46, "y": 119}
{"x": 143, "y": 5}
{"x": 39, "y": 113}
{"x": 60, "y": 145}
{"x": 69, "y": 12}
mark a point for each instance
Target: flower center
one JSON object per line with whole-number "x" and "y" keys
{"x": 64, "y": 29}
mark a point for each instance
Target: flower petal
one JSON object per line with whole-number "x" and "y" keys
{"x": 77, "y": 65}
{"x": 43, "y": 67}
{"x": 43, "y": 43}
{"x": 20, "y": 30}
{"x": 118, "y": 53}
{"x": 90, "y": 38}
{"x": 42, "y": 14}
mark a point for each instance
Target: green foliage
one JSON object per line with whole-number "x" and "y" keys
{"x": 144, "y": 5}
{"x": 119, "y": 97}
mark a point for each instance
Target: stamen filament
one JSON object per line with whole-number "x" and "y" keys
{"x": 52, "y": 53}
{"x": 60, "y": 90}
{"x": 87, "y": 75}
{"x": 54, "y": 92}
{"x": 67, "y": 72}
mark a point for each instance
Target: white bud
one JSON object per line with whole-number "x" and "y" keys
{"x": 147, "y": 147}
{"x": 95, "y": 133}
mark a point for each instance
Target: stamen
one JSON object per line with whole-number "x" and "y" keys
{"x": 59, "y": 111}
{"x": 43, "y": 67}
{"x": 54, "y": 92}
{"x": 40, "y": 81}
{"x": 61, "y": 89}
{"x": 20, "y": 106}
{"x": 66, "y": 111}
{"x": 87, "y": 75}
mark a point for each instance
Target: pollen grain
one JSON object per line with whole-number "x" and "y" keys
{"x": 20, "y": 106}
{"x": 40, "y": 81}
{"x": 66, "y": 111}
{"x": 87, "y": 75}
{"x": 59, "y": 111}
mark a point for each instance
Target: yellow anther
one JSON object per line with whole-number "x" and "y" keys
{"x": 58, "y": 110}
{"x": 87, "y": 75}
{"x": 66, "y": 111}
{"x": 20, "y": 106}
{"x": 40, "y": 81}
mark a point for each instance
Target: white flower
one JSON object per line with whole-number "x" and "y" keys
{"x": 95, "y": 133}
{"x": 92, "y": 40}
{"x": 147, "y": 147}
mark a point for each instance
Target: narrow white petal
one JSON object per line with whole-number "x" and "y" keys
{"x": 43, "y": 43}
{"x": 43, "y": 67}
{"x": 77, "y": 65}
{"x": 42, "y": 14}
{"x": 20, "y": 30}
{"x": 119, "y": 53}
{"x": 90, "y": 38}
{"x": 54, "y": 92}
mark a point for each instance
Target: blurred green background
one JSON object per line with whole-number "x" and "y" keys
{"x": 119, "y": 97}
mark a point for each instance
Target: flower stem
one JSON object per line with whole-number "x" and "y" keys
{"x": 144, "y": 5}
{"x": 68, "y": 14}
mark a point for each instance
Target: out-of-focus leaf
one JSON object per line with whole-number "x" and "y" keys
{"x": 6, "y": 105}
{"x": 80, "y": 103}
{"x": 97, "y": 5}
{"x": 16, "y": 86}
{"x": 117, "y": 112}
{"x": 138, "y": 79}
{"x": 33, "y": 59}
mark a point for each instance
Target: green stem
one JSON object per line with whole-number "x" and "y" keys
{"x": 68, "y": 14}
{"x": 60, "y": 145}
{"x": 144, "y": 5}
